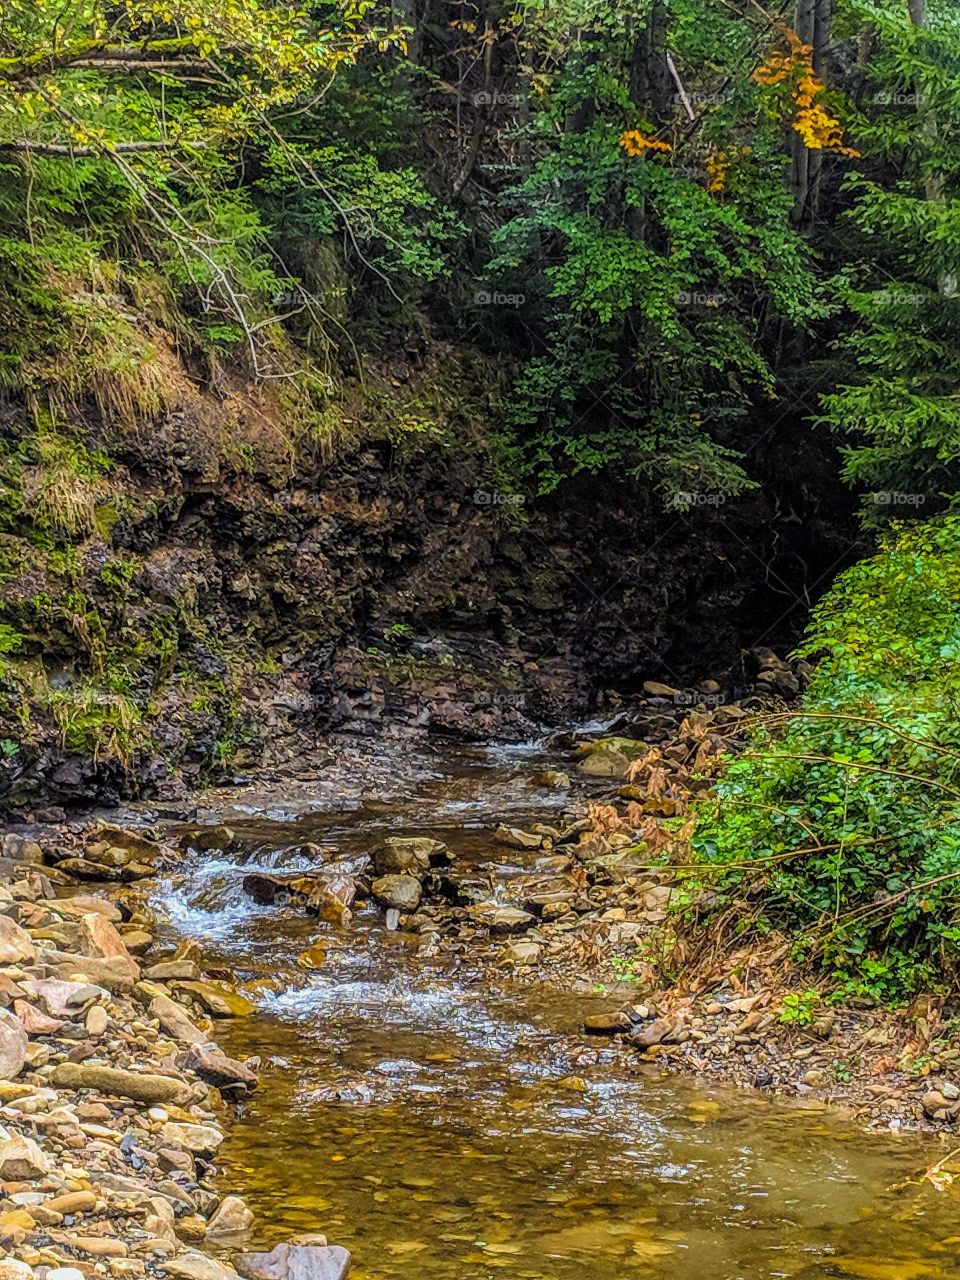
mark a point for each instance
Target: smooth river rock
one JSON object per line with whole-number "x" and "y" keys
{"x": 200, "y": 1139}
{"x": 140, "y": 1086}
{"x": 232, "y": 1218}
{"x": 297, "y": 1262}
{"x": 191, "y": 1265}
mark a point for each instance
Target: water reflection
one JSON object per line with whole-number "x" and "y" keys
{"x": 446, "y": 1128}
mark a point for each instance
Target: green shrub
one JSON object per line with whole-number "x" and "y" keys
{"x": 844, "y": 818}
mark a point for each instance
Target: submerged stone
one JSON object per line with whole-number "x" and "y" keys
{"x": 297, "y": 1262}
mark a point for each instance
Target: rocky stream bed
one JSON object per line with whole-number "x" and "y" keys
{"x": 391, "y": 1015}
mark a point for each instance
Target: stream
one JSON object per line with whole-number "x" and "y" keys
{"x": 444, "y": 1128}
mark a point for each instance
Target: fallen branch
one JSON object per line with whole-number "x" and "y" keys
{"x": 72, "y": 151}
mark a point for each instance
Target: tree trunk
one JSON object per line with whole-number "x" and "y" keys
{"x": 812, "y": 25}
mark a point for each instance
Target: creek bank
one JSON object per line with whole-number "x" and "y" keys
{"x": 114, "y": 1095}
{"x": 586, "y": 900}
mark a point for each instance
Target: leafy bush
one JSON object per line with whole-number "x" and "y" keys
{"x": 845, "y": 817}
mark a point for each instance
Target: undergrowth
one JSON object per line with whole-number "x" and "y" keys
{"x": 840, "y": 823}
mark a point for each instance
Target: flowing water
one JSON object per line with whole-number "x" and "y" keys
{"x": 444, "y": 1127}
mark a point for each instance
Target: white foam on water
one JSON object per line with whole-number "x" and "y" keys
{"x": 204, "y": 898}
{"x": 393, "y": 1001}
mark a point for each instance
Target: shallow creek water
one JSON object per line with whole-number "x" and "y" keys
{"x": 458, "y": 1146}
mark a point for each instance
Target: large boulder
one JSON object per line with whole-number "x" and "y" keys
{"x": 231, "y": 1219}
{"x": 326, "y": 895}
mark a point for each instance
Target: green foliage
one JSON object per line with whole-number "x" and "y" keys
{"x": 895, "y": 401}
{"x": 97, "y": 723}
{"x": 654, "y": 287}
{"x": 847, "y": 820}
{"x": 799, "y": 1008}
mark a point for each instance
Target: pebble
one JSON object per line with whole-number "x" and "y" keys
{"x": 97, "y": 1020}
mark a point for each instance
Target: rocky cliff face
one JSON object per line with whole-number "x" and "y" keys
{"x": 189, "y": 606}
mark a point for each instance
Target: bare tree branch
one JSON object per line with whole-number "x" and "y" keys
{"x": 69, "y": 151}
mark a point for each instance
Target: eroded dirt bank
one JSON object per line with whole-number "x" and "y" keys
{"x": 210, "y": 609}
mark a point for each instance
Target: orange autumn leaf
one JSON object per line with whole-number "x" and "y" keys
{"x": 635, "y": 144}
{"x": 819, "y": 130}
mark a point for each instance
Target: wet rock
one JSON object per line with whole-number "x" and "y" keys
{"x": 213, "y": 837}
{"x": 140, "y": 1086}
{"x": 232, "y": 1218}
{"x": 414, "y": 855}
{"x": 297, "y": 1262}
{"x": 16, "y": 945}
{"x": 400, "y": 891}
{"x": 328, "y": 896}
{"x": 612, "y": 1023}
{"x": 218, "y": 999}
{"x": 217, "y": 1069}
{"x": 314, "y": 956}
{"x": 552, "y": 778}
{"x": 516, "y": 838}
{"x": 21, "y": 1160}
